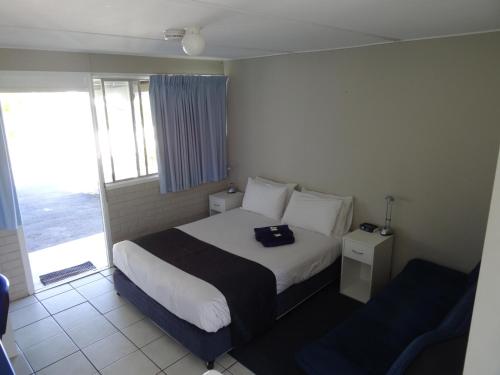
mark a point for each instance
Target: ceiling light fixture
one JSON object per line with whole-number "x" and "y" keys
{"x": 192, "y": 42}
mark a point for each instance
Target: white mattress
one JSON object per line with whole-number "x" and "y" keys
{"x": 199, "y": 302}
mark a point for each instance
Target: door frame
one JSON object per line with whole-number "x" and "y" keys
{"x": 67, "y": 80}
{"x": 102, "y": 185}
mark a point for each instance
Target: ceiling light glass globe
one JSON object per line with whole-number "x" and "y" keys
{"x": 193, "y": 43}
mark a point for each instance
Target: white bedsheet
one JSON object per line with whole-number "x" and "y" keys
{"x": 199, "y": 302}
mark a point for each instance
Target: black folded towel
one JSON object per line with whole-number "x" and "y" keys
{"x": 278, "y": 240}
{"x": 274, "y": 236}
{"x": 268, "y": 231}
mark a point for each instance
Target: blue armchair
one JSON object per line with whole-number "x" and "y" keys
{"x": 5, "y": 365}
{"x": 424, "y": 305}
{"x": 4, "y": 304}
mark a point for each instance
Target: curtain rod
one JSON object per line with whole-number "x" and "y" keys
{"x": 147, "y": 75}
{"x": 188, "y": 74}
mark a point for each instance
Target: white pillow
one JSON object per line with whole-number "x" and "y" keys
{"x": 344, "y": 220}
{"x": 311, "y": 212}
{"x": 264, "y": 199}
{"x": 290, "y": 187}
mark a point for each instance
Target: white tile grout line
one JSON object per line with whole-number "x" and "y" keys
{"x": 35, "y": 321}
{"x": 57, "y": 294}
{"x": 170, "y": 365}
{"x": 70, "y": 279}
{"x": 81, "y": 349}
{"x": 118, "y": 330}
{"x": 63, "y": 330}
{"x": 69, "y": 284}
{"x": 60, "y": 359}
{"x": 24, "y": 356}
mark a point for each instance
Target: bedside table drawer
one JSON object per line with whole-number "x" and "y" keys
{"x": 358, "y": 251}
{"x": 217, "y": 204}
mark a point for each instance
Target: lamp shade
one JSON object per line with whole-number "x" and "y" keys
{"x": 193, "y": 43}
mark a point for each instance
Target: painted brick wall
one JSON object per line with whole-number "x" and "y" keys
{"x": 141, "y": 209}
{"x": 11, "y": 264}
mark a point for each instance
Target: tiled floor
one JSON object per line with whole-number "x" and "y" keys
{"x": 84, "y": 328}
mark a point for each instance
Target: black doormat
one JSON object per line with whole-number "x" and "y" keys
{"x": 273, "y": 353}
{"x": 56, "y": 276}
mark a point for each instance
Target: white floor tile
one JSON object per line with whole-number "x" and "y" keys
{"x": 110, "y": 279}
{"x": 226, "y": 360}
{"x": 86, "y": 280}
{"x": 63, "y": 301}
{"x": 164, "y": 351}
{"x": 190, "y": 365}
{"x": 124, "y": 316}
{"x": 95, "y": 288}
{"x": 50, "y": 351}
{"x": 143, "y": 332}
{"x": 27, "y": 315}
{"x": 133, "y": 364}
{"x": 53, "y": 291}
{"x": 106, "y": 351}
{"x": 21, "y": 365}
{"x": 108, "y": 271}
{"x": 36, "y": 332}
{"x": 75, "y": 364}
{"x": 239, "y": 369}
{"x": 88, "y": 331}
{"x": 76, "y": 314}
{"x": 22, "y": 302}
{"x": 107, "y": 302}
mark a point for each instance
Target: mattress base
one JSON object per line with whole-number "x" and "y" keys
{"x": 210, "y": 345}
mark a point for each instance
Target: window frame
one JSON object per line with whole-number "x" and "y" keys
{"x": 131, "y": 80}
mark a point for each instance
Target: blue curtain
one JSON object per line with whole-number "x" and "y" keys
{"x": 10, "y": 217}
{"x": 189, "y": 115}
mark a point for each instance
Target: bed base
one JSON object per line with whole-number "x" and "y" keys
{"x": 210, "y": 345}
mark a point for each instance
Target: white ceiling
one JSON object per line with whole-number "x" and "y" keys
{"x": 235, "y": 28}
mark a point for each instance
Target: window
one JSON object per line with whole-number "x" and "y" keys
{"x": 125, "y": 128}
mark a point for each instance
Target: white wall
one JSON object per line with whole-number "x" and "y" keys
{"x": 484, "y": 338}
{"x": 417, "y": 119}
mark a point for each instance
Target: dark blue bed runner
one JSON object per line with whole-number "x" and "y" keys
{"x": 249, "y": 288}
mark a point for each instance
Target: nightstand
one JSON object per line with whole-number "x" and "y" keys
{"x": 223, "y": 201}
{"x": 366, "y": 264}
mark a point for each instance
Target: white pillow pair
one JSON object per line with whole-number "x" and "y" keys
{"x": 323, "y": 213}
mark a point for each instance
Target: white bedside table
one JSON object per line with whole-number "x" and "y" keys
{"x": 366, "y": 264}
{"x": 223, "y": 201}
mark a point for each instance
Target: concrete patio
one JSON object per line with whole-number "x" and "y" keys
{"x": 52, "y": 216}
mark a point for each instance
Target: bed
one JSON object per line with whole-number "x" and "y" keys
{"x": 195, "y": 312}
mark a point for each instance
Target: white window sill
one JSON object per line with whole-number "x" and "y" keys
{"x": 131, "y": 182}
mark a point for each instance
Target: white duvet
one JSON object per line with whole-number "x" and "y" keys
{"x": 197, "y": 301}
